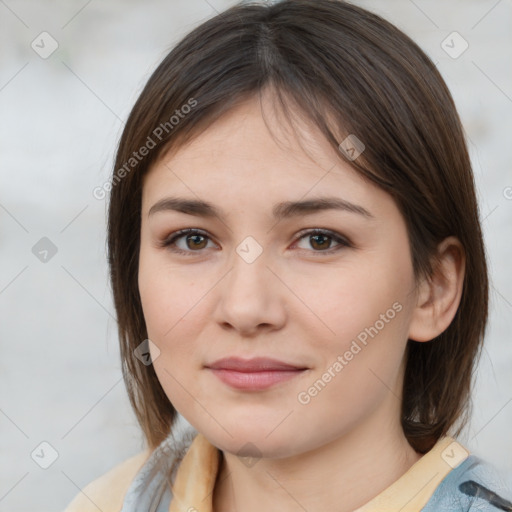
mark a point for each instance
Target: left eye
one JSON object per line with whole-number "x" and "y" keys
{"x": 322, "y": 238}
{"x": 319, "y": 238}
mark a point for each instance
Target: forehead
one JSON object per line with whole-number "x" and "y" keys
{"x": 240, "y": 134}
{"x": 250, "y": 156}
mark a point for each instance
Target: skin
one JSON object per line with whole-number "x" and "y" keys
{"x": 301, "y": 301}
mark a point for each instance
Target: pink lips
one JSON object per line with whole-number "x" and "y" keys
{"x": 253, "y": 374}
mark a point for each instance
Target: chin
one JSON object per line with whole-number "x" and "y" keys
{"x": 253, "y": 442}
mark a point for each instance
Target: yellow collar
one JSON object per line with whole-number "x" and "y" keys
{"x": 195, "y": 479}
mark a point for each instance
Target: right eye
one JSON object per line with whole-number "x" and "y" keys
{"x": 196, "y": 237}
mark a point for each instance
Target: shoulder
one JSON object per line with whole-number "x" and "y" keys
{"x": 107, "y": 492}
{"x": 473, "y": 485}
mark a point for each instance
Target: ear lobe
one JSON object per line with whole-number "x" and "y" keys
{"x": 438, "y": 297}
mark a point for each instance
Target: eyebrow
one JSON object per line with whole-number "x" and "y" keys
{"x": 280, "y": 211}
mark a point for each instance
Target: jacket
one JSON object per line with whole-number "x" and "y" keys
{"x": 446, "y": 479}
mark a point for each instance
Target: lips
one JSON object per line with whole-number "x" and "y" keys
{"x": 254, "y": 374}
{"x": 257, "y": 364}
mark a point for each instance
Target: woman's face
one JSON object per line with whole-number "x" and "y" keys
{"x": 256, "y": 282}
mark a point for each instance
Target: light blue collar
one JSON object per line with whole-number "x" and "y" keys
{"x": 150, "y": 491}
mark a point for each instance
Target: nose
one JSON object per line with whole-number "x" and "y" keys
{"x": 251, "y": 298}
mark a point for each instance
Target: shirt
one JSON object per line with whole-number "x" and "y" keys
{"x": 179, "y": 476}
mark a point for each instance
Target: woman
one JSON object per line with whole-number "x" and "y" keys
{"x": 298, "y": 271}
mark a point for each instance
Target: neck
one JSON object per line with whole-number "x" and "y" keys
{"x": 340, "y": 475}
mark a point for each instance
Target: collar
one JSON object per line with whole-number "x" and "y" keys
{"x": 195, "y": 478}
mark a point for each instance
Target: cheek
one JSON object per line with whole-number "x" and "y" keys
{"x": 171, "y": 301}
{"x": 168, "y": 306}
{"x": 359, "y": 365}
{"x": 368, "y": 311}
{"x": 163, "y": 294}
{"x": 345, "y": 303}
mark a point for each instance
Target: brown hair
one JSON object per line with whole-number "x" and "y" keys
{"x": 349, "y": 72}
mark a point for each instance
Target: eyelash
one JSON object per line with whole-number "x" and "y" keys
{"x": 170, "y": 241}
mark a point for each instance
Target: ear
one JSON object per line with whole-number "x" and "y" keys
{"x": 438, "y": 297}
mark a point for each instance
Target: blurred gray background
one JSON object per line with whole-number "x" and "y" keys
{"x": 70, "y": 72}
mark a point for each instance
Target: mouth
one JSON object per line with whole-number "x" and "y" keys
{"x": 254, "y": 374}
